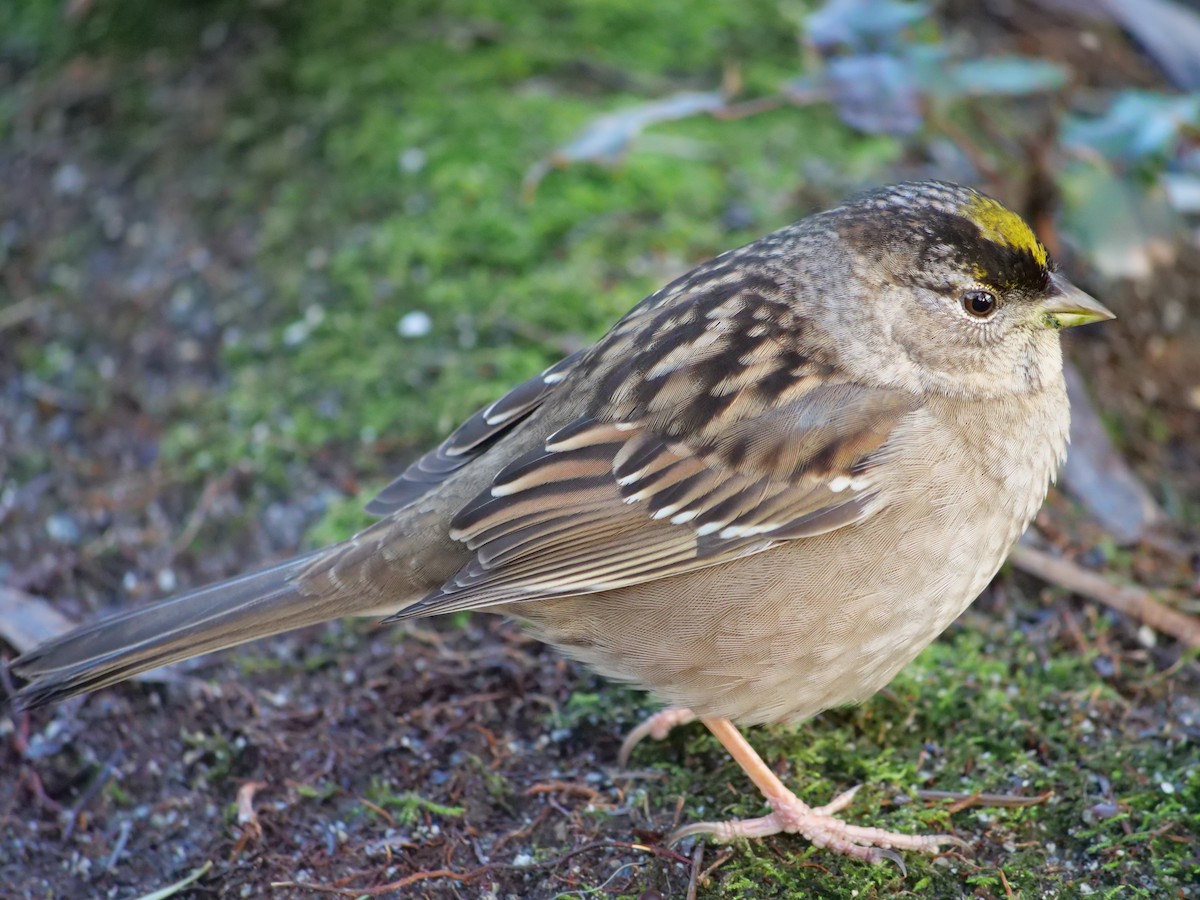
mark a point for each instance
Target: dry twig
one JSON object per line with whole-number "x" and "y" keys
{"x": 1133, "y": 601}
{"x": 247, "y": 818}
{"x": 965, "y": 800}
{"x": 694, "y": 875}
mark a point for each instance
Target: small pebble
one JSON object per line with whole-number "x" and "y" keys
{"x": 411, "y": 160}
{"x": 166, "y": 581}
{"x": 63, "y": 529}
{"x": 414, "y": 324}
{"x": 69, "y": 180}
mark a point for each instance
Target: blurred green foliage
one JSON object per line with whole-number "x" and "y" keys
{"x": 381, "y": 147}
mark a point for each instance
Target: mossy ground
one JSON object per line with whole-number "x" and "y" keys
{"x": 311, "y": 175}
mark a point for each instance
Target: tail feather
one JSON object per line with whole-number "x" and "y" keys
{"x": 210, "y": 618}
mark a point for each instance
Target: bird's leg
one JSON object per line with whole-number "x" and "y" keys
{"x": 657, "y": 727}
{"x": 790, "y": 814}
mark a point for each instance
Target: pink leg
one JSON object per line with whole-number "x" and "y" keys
{"x": 793, "y": 816}
{"x": 657, "y": 727}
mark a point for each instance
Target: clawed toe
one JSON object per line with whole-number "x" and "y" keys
{"x": 821, "y": 829}
{"x": 819, "y": 825}
{"x": 838, "y": 803}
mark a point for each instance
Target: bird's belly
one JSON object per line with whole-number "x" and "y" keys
{"x": 806, "y": 626}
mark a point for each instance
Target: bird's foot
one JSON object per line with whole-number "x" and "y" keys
{"x": 789, "y": 814}
{"x": 658, "y": 726}
{"x": 820, "y": 826}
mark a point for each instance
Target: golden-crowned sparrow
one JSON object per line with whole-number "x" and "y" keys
{"x": 758, "y": 496}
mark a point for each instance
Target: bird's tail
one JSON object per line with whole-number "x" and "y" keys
{"x": 210, "y": 618}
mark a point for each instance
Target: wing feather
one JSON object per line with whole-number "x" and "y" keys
{"x": 565, "y": 522}
{"x": 713, "y": 429}
{"x": 469, "y": 440}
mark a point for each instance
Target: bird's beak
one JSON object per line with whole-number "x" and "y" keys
{"x": 1066, "y": 306}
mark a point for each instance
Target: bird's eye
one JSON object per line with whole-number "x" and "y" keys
{"x": 980, "y": 304}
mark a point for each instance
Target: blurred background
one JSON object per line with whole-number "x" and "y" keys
{"x": 255, "y": 255}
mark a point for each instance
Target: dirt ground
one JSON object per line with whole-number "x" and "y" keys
{"x": 458, "y": 758}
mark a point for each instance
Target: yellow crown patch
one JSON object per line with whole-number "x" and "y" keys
{"x": 1002, "y": 225}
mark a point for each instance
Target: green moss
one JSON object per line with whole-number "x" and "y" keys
{"x": 213, "y": 755}
{"x": 408, "y": 806}
{"x": 394, "y": 185}
{"x": 322, "y": 791}
{"x": 498, "y": 787}
{"x": 970, "y": 715}
{"x": 118, "y": 795}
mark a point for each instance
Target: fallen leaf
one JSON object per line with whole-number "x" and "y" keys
{"x": 860, "y": 24}
{"x": 26, "y": 620}
{"x": 608, "y": 138}
{"x": 1097, "y": 476}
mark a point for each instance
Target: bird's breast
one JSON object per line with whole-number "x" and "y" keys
{"x": 828, "y": 620}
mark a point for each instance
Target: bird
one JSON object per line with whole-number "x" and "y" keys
{"x": 758, "y": 496}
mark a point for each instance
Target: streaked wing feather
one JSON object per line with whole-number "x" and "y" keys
{"x": 712, "y": 428}
{"x": 469, "y": 440}
{"x": 616, "y": 506}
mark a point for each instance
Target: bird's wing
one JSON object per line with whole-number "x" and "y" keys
{"x": 472, "y": 438}
{"x": 716, "y": 432}
{"x": 710, "y": 423}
